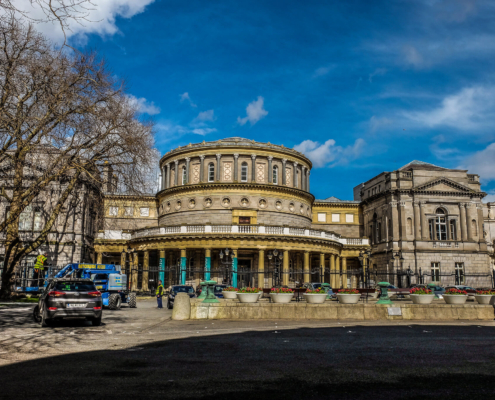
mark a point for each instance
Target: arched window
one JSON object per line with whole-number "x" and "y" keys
{"x": 438, "y": 226}
{"x": 409, "y": 226}
{"x": 211, "y": 172}
{"x": 184, "y": 175}
{"x": 244, "y": 172}
{"x": 474, "y": 228}
{"x": 275, "y": 175}
{"x": 453, "y": 229}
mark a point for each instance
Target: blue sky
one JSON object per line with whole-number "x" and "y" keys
{"x": 361, "y": 87}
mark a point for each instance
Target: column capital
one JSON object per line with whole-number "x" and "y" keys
{"x": 188, "y": 159}
{"x": 236, "y": 156}
{"x": 270, "y": 158}
{"x": 416, "y": 203}
{"x": 402, "y": 203}
{"x": 393, "y": 204}
{"x": 176, "y": 162}
{"x": 284, "y": 160}
{"x": 202, "y": 157}
{"x": 295, "y": 163}
{"x": 253, "y": 156}
{"x": 218, "y": 156}
{"x": 167, "y": 165}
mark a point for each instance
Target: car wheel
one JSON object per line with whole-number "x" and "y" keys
{"x": 132, "y": 300}
{"x": 45, "y": 322}
{"x": 96, "y": 321}
{"x": 36, "y": 314}
{"x": 169, "y": 306}
{"x": 114, "y": 301}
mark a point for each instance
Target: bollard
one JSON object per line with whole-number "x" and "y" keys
{"x": 182, "y": 307}
{"x": 210, "y": 295}
{"x": 384, "y": 299}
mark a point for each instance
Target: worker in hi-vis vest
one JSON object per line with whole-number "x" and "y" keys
{"x": 39, "y": 267}
{"x": 159, "y": 293}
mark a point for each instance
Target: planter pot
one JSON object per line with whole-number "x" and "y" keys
{"x": 348, "y": 298}
{"x": 455, "y": 298}
{"x": 261, "y": 294}
{"x": 229, "y": 295}
{"x": 248, "y": 297}
{"x": 422, "y": 298}
{"x": 485, "y": 298}
{"x": 315, "y": 298}
{"x": 281, "y": 297}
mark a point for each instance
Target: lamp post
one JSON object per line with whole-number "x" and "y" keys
{"x": 227, "y": 259}
{"x": 400, "y": 259}
{"x": 275, "y": 258}
{"x": 364, "y": 257}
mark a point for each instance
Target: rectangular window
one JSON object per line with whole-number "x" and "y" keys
{"x": 211, "y": 173}
{"x": 435, "y": 272}
{"x": 335, "y": 217}
{"x": 129, "y": 211}
{"x": 441, "y": 228}
{"x": 26, "y": 219}
{"x": 459, "y": 273}
{"x": 244, "y": 220}
{"x": 453, "y": 229}
{"x": 431, "y": 224}
{"x": 37, "y": 220}
{"x": 349, "y": 218}
{"x": 322, "y": 217}
{"x": 113, "y": 211}
{"x": 145, "y": 211}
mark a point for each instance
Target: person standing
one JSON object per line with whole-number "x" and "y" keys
{"x": 159, "y": 294}
{"x": 39, "y": 267}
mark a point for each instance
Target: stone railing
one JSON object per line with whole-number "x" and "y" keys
{"x": 238, "y": 229}
{"x": 448, "y": 245}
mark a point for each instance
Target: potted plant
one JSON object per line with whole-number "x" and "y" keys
{"x": 248, "y": 294}
{"x": 281, "y": 295}
{"x": 230, "y": 293}
{"x": 421, "y": 295}
{"x": 316, "y": 296}
{"x": 455, "y": 296}
{"x": 485, "y": 296}
{"x": 348, "y": 296}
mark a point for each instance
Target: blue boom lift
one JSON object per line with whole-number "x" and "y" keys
{"x": 108, "y": 279}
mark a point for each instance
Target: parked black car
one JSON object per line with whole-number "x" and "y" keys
{"x": 178, "y": 289}
{"x": 218, "y": 289}
{"x": 69, "y": 298}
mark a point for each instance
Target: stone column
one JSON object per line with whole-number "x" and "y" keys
{"x": 322, "y": 267}
{"x": 270, "y": 169}
{"x": 145, "y": 276}
{"x": 134, "y": 272}
{"x": 332, "y": 270}
{"x": 469, "y": 217}
{"x": 183, "y": 266}
{"x": 188, "y": 159}
{"x": 207, "y": 264}
{"x": 307, "y": 182}
{"x": 481, "y": 234}
{"x": 336, "y": 279}
{"x": 261, "y": 269}
{"x": 284, "y": 175}
{"x": 285, "y": 270}
{"x": 353, "y": 281}
{"x": 164, "y": 177}
{"x": 462, "y": 207}
{"x": 417, "y": 222}
{"x": 424, "y": 223}
{"x": 167, "y": 179}
{"x": 161, "y": 267}
{"x": 176, "y": 180}
{"x": 306, "y": 267}
{"x": 344, "y": 272}
{"x": 99, "y": 257}
{"x": 122, "y": 260}
{"x": 253, "y": 167}
{"x": 234, "y": 268}
{"x": 201, "y": 168}
{"x": 219, "y": 156}
{"x": 403, "y": 225}
{"x": 236, "y": 167}
{"x": 295, "y": 175}
{"x": 395, "y": 220}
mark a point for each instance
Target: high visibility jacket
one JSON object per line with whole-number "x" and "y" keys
{"x": 159, "y": 290}
{"x": 40, "y": 261}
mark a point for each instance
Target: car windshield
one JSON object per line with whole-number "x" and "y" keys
{"x": 74, "y": 287}
{"x": 316, "y": 285}
{"x": 183, "y": 289}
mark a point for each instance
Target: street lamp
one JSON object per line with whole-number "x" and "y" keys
{"x": 226, "y": 262}
{"x": 275, "y": 258}
{"x": 364, "y": 260}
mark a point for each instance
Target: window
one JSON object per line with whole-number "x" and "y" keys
{"x": 275, "y": 175}
{"x": 129, "y": 211}
{"x": 335, "y": 217}
{"x": 431, "y": 225}
{"x": 37, "y": 219}
{"x": 453, "y": 229}
{"x": 191, "y": 268}
{"x": 368, "y": 193}
{"x": 378, "y": 232}
{"x": 113, "y": 211}
{"x": 144, "y": 211}
{"x": 474, "y": 228}
{"x": 26, "y": 219}
{"x": 409, "y": 226}
{"x": 322, "y": 217}
{"x": 211, "y": 172}
{"x": 184, "y": 175}
{"x": 435, "y": 272}
{"x": 349, "y": 218}
{"x": 244, "y": 172}
{"x": 441, "y": 225}
{"x": 244, "y": 220}
{"x": 379, "y": 188}
{"x": 459, "y": 273}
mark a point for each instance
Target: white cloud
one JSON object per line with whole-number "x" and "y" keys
{"x": 144, "y": 106}
{"x": 469, "y": 109}
{"x": 206, "y": 116}
{"x": 412, "y": 56}
{"x": 322, "y": 71}
{"x": 254, "y": 112}
{"x": 100, "y": 18}
{"x": 377, "y": 72}
{"x": 328, "y": 153}
{"x": 375, "y": 123}
{"x": 481, "y": 163}
{"x": 185, "y": 97}
{"x": 203, "y": 131}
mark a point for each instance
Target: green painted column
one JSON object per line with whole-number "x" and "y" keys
{"x": 161, "y": 267}
{"x": 207, "y": 264}
{"x": 234, "y": 268}
{"x": 183, "y": 266}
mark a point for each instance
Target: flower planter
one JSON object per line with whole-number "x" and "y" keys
{"x": 261, "y": 294}
{"x": 485, "y": 298}
{"x": 315, "y": 298}
{"x": 281, "y": 297}
{"x": 248, "y": 297}
{"x": 422, "y": 298}
{"x": 229, "y": 295}
{"x": 455, "y": 298}
{"x": 348, "y": 298}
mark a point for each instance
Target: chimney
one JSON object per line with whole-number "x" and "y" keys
{"x": 107, "y": 178}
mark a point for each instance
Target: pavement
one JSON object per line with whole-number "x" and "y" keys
{"x": 141, "y": 353}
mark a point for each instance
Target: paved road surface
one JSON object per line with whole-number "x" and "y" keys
{"x": 142, "y": 354}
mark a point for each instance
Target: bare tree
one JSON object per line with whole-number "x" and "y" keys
{"x": 62, "y": 116}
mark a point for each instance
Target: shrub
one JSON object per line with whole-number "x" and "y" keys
{"x": 249, "y": 290}
{"x": 420, "y": 290}
{"x": 456, "y": 291}
{"x": 282, "y": 290}
{"x": 320, "y": 290}
{"x": 488, "y": 292}
{"x": 230, "y": 289}
{"x": 348, "y": 291}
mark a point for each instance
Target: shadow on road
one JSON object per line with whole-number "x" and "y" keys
{"x": 360, "y": 362}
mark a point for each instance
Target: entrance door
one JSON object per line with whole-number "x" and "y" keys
{"x": 243, "y": 273}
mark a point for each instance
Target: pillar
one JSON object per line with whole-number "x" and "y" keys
{"x": 469, "y": 217}
{"x": 183, "y": 266}
{"x": 294, "y": 178}
{"x": 234, "y": 268}
{"x": 322, "y": 267}
{"x": 146, "y": 266}
{"x": 219, "y": 156}
{"x": 176, "y": 180}
{"x": 207, "y": 264}
{"x": 332, "y": 270}
{"x": 403, "y": 225}
{"x": 417, "y": 222}
{"x": 395, "y": 220}
{"x": 188, "y": 159}
{"x": 134, "y": 271}
{"x": 122, "y": 260}
{"x": 306, "y": 266}
{"x": 307, "y": 181}
{"x": 303, "y": 177}
{"x": 167, "y": 179}
{"x": 161, "y": 267}
{"x": 164, "y": 178}
{"x": 462, "y": 207}
{"x": 99, "y": 257}
{"x": 261, "y": 269}
{"x": 354, "y": 281}
{"x": 201, "y": 168}
{"x": 284, "y": 175}
{"x": 236, "y": 167}
{"x": 344, "y": 272}
{"x": 253, "y": 167}
{"x": 285, "y": 271}
{"x": 270, "y": 169}
{"x": 336, "y": 282}
{"x": 481, "y": 234}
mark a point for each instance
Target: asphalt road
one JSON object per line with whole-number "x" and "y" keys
{"x": 142, "y": 354}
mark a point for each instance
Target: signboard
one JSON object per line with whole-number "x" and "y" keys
{"x": 92, "y": 266}
{"x": 394, "y": 311}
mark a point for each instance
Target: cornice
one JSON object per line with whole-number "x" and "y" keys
{"x": 335, "y": 204}
{"x": 129, "y": 197}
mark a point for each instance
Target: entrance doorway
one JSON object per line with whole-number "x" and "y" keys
{"x": 244, "y": 273}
